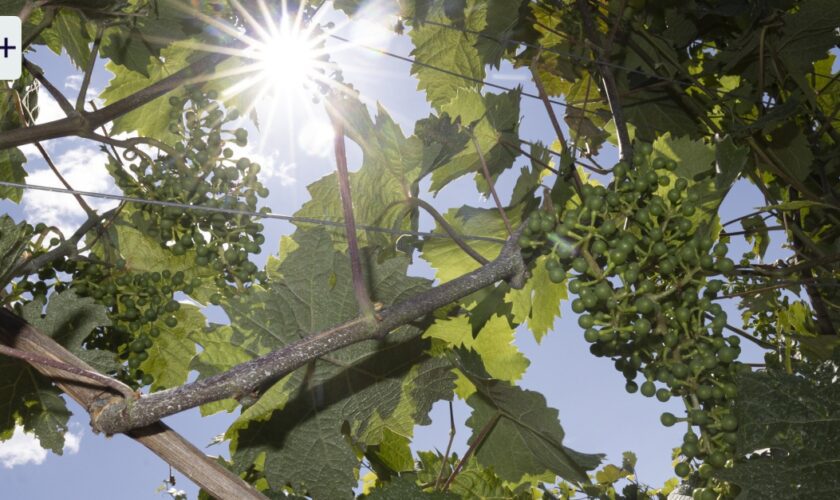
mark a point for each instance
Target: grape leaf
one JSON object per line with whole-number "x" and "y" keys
{"x": 366, "y": 390}
{"x": 144, "y": 254}
{"x": 653, "y": 116}
{"x": 730, "y": 161}
{"x": 502, "y": 19}
{"x": 11, "y": 170}
{"x": 405, "y": 488}
{"x": 795, "y": 420}
{"x": 494, "y": 343}
{"x": 70, "y": 319}
{"x": 519, "y": 433}
{"x": 28, "y": 398}
{"x": 694, "y": 157}
{"x": 538, "y": 302}
{"x": 448, "y": 259}
{"x": 152, "y": 119}
{"x": 14, "y": 239}
{"x": 391, "y": 168}
{"x": 494, "y": 121}
{"x": 171, "y": 352}
{"x": 808, "y": 34}
{"x": 68, "y": 31}
{"x": 393, "y": 453}
{"x": 133, "y": 46}
{"x": 450, "y": 50}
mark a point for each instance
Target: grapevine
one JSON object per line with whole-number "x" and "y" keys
{"x": 201, "y": 169}
{"x": 644, "y": 277}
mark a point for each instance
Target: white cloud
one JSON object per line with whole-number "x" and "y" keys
{"x": 48, "y": 108}
{"x": 73, "y": 82}
{"x": 84, "y": 169}
{"x": 72, "y": 443}
{"x": 23, "y": 448}
{"x": 316, "y": 138}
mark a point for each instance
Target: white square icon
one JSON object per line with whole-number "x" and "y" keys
{"x": 11, "y": 55}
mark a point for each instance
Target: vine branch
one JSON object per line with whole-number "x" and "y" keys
{"x": 486, "y": 172}
{"x": 83, "y": 122}
{"x": 625, "y": 147}
{"x": 157, "y": 436}
{"x": 359, "y": 285}
{"x": 120, "y": 415}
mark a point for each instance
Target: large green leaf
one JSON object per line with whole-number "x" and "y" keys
{"x": 494, "y": 343}
{"x": 364, "y": 391}
{"x": 520, "y": 435}
{"x": 448, "y": 259}
{"x": 14, "y": 238}
{"x": 391, "y": 169}
{"x": 405, "y": 488}
{"x": 448, "y": 49}
{"x": 808, "y": 34}
{"x": 26, "y": 397}
{"x": 694, "y": 157}
{"x": 791, "y": 425}
{"x": 68, "y": 32}
{"x": 11, "y": 170}
{"x": 171, "y": 352}
{"x": 152, "y": 119}
{"x": 70, "y": 319}
{"x": 134, "y": 46}
{"x": 493, "y": 122}
{"x": 538, "y": 302}
{"x": 143, "y": 253}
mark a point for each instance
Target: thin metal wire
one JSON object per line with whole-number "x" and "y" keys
{"x": 552, "y": 50}
{"x": 453, "y": 73}
{"x": 233, "y": 211}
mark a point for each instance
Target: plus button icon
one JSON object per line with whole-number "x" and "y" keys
{"x": 6, "y": 47}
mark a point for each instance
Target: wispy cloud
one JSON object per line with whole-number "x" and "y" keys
{"x": 84, "y": 169}
{"x": 23, "y": 448}
{"x": 73, "y": 82}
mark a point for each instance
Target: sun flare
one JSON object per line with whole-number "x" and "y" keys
{"x": 288, "y": 59}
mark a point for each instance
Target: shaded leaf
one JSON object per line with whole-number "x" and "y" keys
{"x": 798, "y": 419}
{"x": 520, "y": 433}
{"x": 11, "y": 170}
{"x": 363, "y": 392}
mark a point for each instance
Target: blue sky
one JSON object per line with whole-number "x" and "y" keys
{"x": 596, "y": 412}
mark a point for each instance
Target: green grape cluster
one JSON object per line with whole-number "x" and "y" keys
{"x": 139, "y": 303}
{"x": 201, "y": 169}
{"x": 641, "y": 266}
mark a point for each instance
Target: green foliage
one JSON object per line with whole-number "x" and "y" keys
{"x": 711, "y": 94}
{"x": 151, "y": 120}
{"x": 391, "y": 168}
{"x": 11, "y": 170}
{"x": 516, "y": 433}
{"x": 789, "y": 430}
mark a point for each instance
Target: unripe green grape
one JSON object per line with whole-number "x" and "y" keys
{"x": 716, "y": 459}
{"x": 668, "y": 419}
{"x": 557, "y": 275}
{"x": 648, "y": 389}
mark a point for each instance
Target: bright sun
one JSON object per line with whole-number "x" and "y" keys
{"x": 288, "y": 59}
